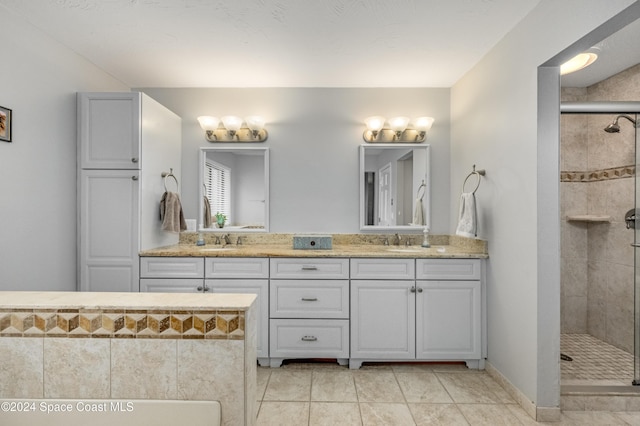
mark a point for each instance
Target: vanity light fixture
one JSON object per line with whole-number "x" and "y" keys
{"x": 232, "y": 129}
{"x": 399, "y": 129}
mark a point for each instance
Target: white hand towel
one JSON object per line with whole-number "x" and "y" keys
{"x": 418, "y": 215}
{"x": 467, "y": 224}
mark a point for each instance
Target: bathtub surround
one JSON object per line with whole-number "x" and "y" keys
{"x": 130, "y": 346}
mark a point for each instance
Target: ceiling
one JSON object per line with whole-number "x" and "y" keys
{"x": 283, "y": 43}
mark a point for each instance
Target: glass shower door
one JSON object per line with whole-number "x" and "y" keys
{"x": 636, "y": 266}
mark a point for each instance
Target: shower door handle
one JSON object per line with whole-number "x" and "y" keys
{"x": 635, "y": 244}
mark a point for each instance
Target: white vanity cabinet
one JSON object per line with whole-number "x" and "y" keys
{"x": 172, "y": 275}
{"x": 309, "y": 309}
{"x": 125, "y": 141}
{"x": 416, "y": 309}
{"x": 449, "y": 310}
{"x": 244, "y": 275}
{"x": 382, "y": 310}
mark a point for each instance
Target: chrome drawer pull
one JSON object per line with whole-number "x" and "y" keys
{"x": 309, "y": 268}
{"x": 309, "y": 299}
{"x": 309, "y": 338}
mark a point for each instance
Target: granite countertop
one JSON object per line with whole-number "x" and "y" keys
{"x": 87, "y": 301}
{"x": 347, "y": 250}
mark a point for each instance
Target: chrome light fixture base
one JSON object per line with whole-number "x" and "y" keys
{"x": 244, "y": 134}
{"x": 390, "y": 136}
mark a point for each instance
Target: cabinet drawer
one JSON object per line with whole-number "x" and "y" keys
{"x": 309, "y": 338}
{"x": 163, "y": 285}
{"x": 236, "y": 267}
{"x": 382, "y": 269}
{"x": 310, "y": 268}
{"x": 171, "y": 267}
{"x": 448, "y": 269}
{"x": 309, "y": 299}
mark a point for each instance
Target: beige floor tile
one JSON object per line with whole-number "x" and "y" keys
{"x": 422, "y": 387}
{"x": 384, "y": 414}
{"x": 437, "y": 415}
{"x": 488, "y": 415}
{"x": 334, "y": 413}
{"x": 631, "y": 417}
{"x": 592, "y": 418}
{"x": 468, "y": 388}
{"x": 336, "y": 386}
{"x": 377, "y": 386}
{"x": 289, "y": 385}
{"x": 262, "y": 374}
{"x": 283, "y": 414}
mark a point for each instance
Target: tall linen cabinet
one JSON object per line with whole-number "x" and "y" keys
{"x": 126, "y": 140}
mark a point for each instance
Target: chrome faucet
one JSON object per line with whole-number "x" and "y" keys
{"x": 398, "y": 239}
{"x": 227, "y": 239}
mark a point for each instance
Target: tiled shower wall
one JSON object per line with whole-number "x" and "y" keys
{"x": 597, "y": 178}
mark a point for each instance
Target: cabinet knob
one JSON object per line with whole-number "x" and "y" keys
{"x": 419, "y": 290}
{"x": 412, "y": 289}
{"x": 309, "y": 338}
{"x": 200, "y": 288}
{"x": 206, "y": 288}
{"x": 134, "y": 177}
{"x": 134, "y": 160}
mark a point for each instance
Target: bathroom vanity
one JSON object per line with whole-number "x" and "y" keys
{"x": 354, "y": 303}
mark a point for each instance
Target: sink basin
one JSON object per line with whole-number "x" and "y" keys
{"x": 406, "y": 250}
{"x": 219, "y": 249}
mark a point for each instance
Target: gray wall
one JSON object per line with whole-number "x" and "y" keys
{"x": 495, "y": 125}
{"x": 314, "y": 136}
{"x": 38, "y": 81}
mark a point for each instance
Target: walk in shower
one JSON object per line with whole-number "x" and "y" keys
{"x": 600, "y": 257}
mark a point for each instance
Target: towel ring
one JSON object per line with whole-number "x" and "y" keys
{"x": 166, "y": 175}
{"x": 478, "y": 174}
{"x": 422, "y": 186}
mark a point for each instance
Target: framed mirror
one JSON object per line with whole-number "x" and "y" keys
{"x": 395, "y": 187}
{"x": 234, "y": 186}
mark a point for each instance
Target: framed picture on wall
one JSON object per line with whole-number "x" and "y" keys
{"x": 5, "y": 124}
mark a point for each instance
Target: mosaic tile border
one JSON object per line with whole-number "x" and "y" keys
{"x": 599, "y": 175}
{"x": 135, "y": 324}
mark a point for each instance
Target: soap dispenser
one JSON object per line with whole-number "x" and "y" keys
{"x": 200, "y": 241}
{"x": 425, "y": 239}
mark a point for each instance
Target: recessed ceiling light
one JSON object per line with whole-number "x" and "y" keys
{"x": 580, "y": 61}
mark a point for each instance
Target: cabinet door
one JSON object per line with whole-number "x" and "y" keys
{"x": 161, "y": 285}
{"x": 257, "y": 287}
{"x": 108, "y": 230}
{"x": 382, "y": 319}
{"x": 109, "y": 130}
{"x": 448, "y": 320}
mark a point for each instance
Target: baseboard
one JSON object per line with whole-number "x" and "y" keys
{"x": 539, "y": 414}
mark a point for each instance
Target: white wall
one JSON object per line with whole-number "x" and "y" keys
{"x": 495, "y": 126}
{"x": 38, "y": 80}
{"x": 314, "y": 136}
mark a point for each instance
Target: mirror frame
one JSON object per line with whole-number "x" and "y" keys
{"x": 426, "y": 197}
{"x": 201, "y": 163}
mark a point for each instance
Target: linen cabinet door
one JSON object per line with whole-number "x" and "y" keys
{"x": 448, "y": 320}
{"x": 382, "y": 320}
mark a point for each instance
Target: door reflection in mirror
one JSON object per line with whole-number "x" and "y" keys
{"x": 391, "y": 186}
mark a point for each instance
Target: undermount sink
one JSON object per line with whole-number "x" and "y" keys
{"x": 406, "y": 250}
{"x": 219, "y": 249}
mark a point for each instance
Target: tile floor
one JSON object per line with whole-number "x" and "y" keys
{"x": 314, "y": 394}
{"x": 594, "y": 362}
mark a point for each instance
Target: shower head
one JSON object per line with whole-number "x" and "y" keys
{"x": 614, "y": 127}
